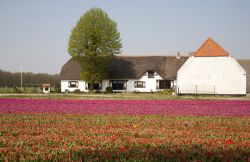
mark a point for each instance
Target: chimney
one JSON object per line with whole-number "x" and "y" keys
{"x": 178, "y": 55}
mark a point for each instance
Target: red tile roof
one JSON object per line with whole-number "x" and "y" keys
{"x": 210, "y": 49}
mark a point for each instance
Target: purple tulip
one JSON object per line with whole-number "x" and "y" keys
{"x": 140, "y": 107}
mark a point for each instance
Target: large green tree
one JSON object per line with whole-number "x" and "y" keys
{"x": 93, "y": 42}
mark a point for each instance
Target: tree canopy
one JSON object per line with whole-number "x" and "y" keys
{"x": 93, "y": 42}
{"x": 13, "y": 79}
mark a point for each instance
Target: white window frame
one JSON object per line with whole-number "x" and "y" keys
{"x": 140, "y": 84}
{"x": 70, "y": 83}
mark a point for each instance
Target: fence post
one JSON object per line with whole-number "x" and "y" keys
{"x": 196, "y": 88}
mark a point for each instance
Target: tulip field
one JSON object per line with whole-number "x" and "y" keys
{"x": 124, "y": 130}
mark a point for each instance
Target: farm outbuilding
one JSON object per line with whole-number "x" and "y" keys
{"x": 245, "y": 63}
{"x": 127, "y": 73}
{"x": 45, "y": 87}
{"x": 211, "y": 70}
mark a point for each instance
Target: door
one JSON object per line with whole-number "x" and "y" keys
{"x": 164, "y": 84}
{"x": 119, "y": 84}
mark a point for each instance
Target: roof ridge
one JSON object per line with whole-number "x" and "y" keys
{"x": 210, "y": 48}
{"x": 150, "y": 56}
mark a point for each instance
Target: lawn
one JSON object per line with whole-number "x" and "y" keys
{"x": 122, "y": 96}
{"x": 10, "y": 90}
{"x": 124, "y": 130}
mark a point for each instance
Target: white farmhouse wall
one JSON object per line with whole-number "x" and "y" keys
{"x": 211, "y": 75}
{"x": 105, "y": 84}
{"x": 151, "y": 84}
{"x": 65, "y": 86}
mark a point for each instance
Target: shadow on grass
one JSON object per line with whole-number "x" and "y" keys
{"x": 149, "y": 153}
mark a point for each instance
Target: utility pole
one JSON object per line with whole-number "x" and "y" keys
{"x": 21, "y": 78}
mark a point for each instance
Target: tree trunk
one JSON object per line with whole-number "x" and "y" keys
{"x": 91, "y": 88}
{"x": 92, "y": 59}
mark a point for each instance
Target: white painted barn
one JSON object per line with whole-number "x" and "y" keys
{"x": 211, "y": 70}
{"x": 126, "y": 73}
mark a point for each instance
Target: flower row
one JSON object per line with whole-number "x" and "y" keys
{"x": 141, "y": 107}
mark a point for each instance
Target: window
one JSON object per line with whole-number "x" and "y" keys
{"x": 151, "y": 74}
{"x": 164, "y": 84}
{"x": 73, "y": 84}
{"x": 140, "y": 84}
{"x": 96, "y": 86}
{"x": 119, "y": 84}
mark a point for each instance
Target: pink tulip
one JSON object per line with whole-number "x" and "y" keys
{"x": 140, "y": 107}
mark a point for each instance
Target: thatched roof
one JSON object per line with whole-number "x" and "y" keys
{"x": 245, "y": 63}
{"x": 70, "y": 71}
{"x": 45, "y": 85}
{"x": 127, "y": 67}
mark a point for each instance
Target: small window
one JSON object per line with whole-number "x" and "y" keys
{"x": 140, "y": 84}
{"x": 151, "y": 74}
{"x": 119, "y": 84}
{"x": 73, "y": 84}
{"x": 46, "y": 89}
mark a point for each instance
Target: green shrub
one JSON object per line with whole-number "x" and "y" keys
{"x": 97, "y": 91}
{"x": 136, "y": 92}
{"x": 57, "y": 90}
{"x": 19, "y": 91}
{"x": 77, "y": 91}
{"x": 167, "y": 91}
{"x": 109, "y": 90}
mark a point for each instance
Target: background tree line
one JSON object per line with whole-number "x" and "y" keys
{"x": 14, "y": 79}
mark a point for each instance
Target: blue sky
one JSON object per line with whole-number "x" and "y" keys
{"x": 35, "y": 33}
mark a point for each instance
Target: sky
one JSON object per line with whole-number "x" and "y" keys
{"x": 34, "y": 34}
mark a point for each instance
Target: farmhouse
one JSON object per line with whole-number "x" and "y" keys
{"x": 211, "y": 70}
{"x": 142, "y": 74}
